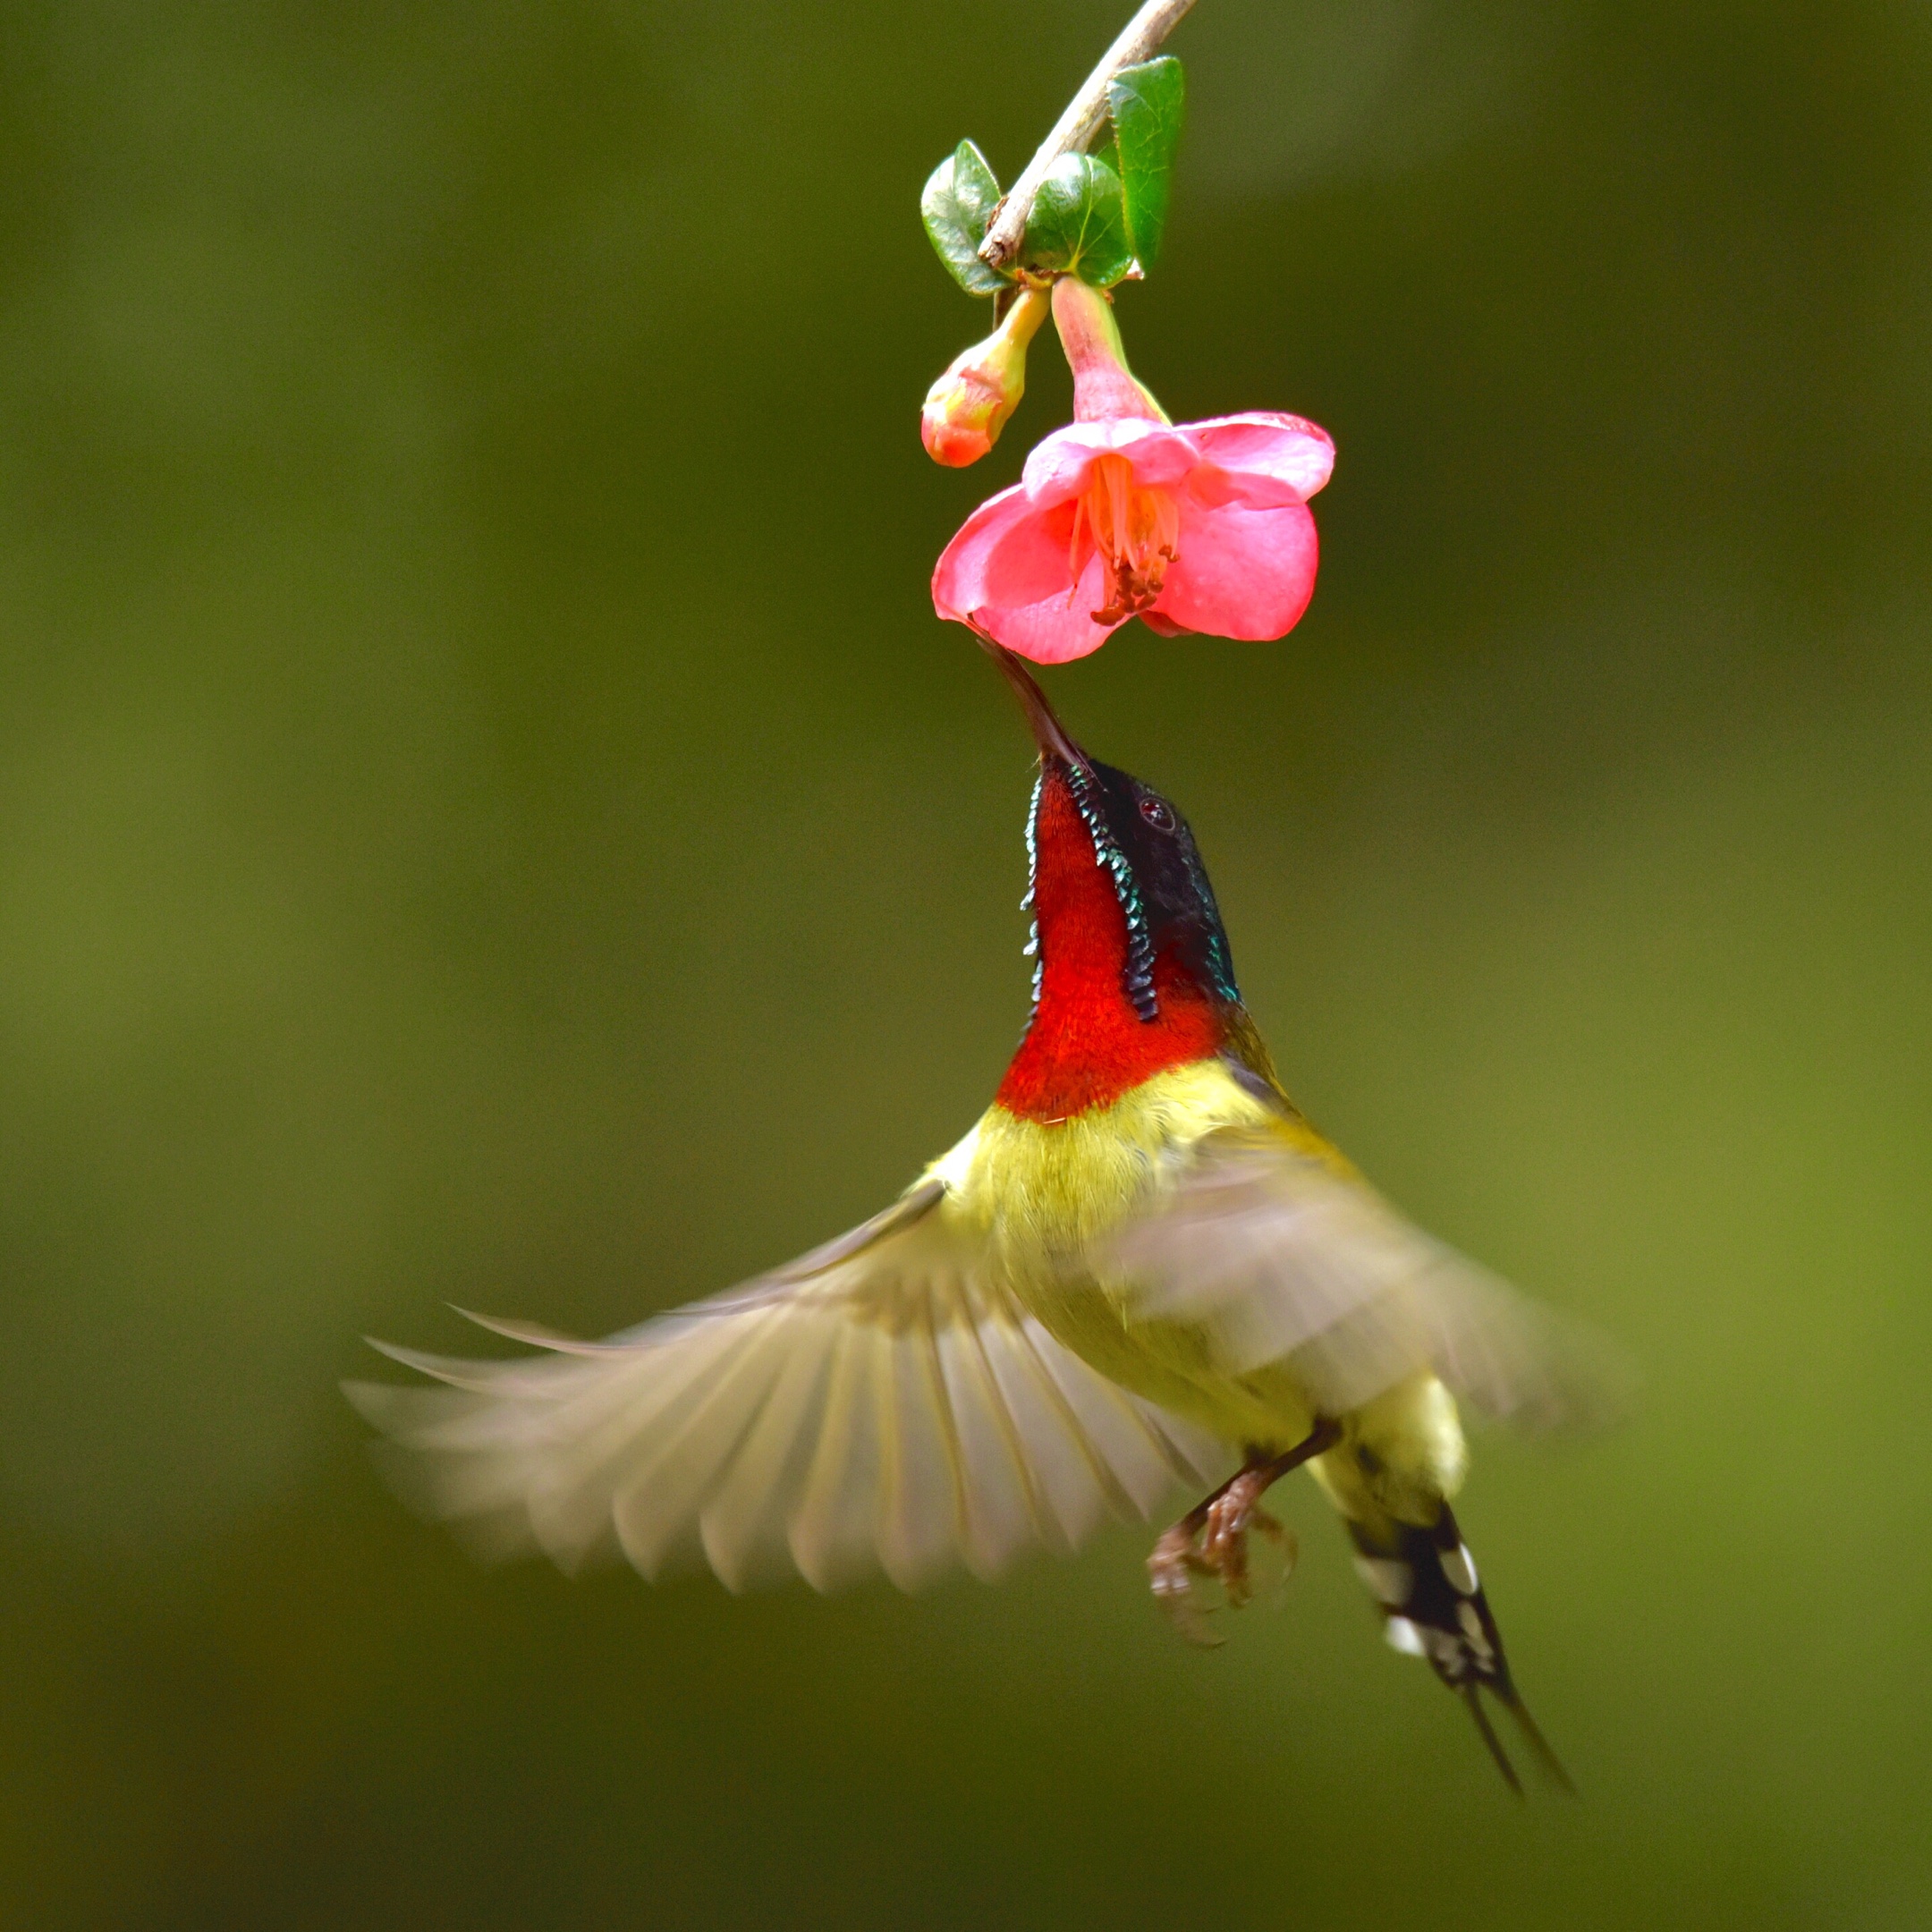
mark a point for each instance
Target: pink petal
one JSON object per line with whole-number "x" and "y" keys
{"x": 1269, "y": 443}
{"x": 1214, "y": 488}
{"x": 1056, "y": 628}
{"x": 1240, "y": 573}
{"x": 1057, "y": 465}
{"x": 1006, "y": 573}
{"x": 1002, "y": 554}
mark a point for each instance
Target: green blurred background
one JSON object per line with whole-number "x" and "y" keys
{"x": 487, "y": 814}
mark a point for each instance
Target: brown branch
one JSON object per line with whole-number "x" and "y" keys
{"x": 1074, "y": 131}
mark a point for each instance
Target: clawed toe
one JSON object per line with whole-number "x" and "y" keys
{"x": 1172, "y": 1569}
{"x": 1224, "y": 1549}
{"x": 1223, "y": 1544}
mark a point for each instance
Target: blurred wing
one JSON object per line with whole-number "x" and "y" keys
{"x": 881, "y": 1404}
{"x": 1281, "y": 1260}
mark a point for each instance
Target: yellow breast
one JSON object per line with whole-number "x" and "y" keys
{"x": 1039, "y": 1192}
{"x": 1042, "y": 1188}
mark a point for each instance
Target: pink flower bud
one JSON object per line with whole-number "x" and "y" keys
{"x": 968, "y": 407}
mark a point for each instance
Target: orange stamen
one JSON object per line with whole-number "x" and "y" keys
{"x": 1135, "y": 529}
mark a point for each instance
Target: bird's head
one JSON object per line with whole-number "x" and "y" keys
{"x": 1087, "y": 817}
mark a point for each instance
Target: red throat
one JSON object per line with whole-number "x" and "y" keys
{"x": 1087, "y": 1045}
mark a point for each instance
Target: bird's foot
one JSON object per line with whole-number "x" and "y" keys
{"x": 1211, "y": 1540}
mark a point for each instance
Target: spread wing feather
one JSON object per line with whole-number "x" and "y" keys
{"x": 1280, "y": 1259}
{"x": 882, "y": 1403}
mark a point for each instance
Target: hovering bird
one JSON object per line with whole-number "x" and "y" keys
{"x": 1141, "y": 1264}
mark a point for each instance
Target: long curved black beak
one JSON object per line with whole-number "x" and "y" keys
{"x": 1048, "y": 733}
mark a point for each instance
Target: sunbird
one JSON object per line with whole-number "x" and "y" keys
{"x": 1140, "y": 1264}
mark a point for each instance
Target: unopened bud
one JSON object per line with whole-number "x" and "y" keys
{"x": 968, "y": 407}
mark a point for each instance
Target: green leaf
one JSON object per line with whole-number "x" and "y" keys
{"x": 1148, "y": 104}
{"x": 1078, "y": 225}
{"x": 958, "y": 203}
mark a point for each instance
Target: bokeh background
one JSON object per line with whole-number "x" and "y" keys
{"x": 488, "y": 815}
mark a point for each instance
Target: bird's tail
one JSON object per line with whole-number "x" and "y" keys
{"x": 1433, "y": 1606}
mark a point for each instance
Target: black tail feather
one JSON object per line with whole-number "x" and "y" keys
{"x": 1539, "y": 1748}
{"x": 1473, "y": 1697}
{"x": 1433, "y": 1606}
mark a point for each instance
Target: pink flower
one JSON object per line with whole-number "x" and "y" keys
{"x": 1191, "y": 527}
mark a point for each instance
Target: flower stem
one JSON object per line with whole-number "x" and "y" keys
{"x": 1104, "y": 386}
{"x": 1074, "y": 131}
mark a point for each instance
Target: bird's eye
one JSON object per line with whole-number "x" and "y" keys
{"x": 1157, "y": 813}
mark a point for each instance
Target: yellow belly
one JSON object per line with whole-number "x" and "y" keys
{"x": 1040, "y": 1192}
